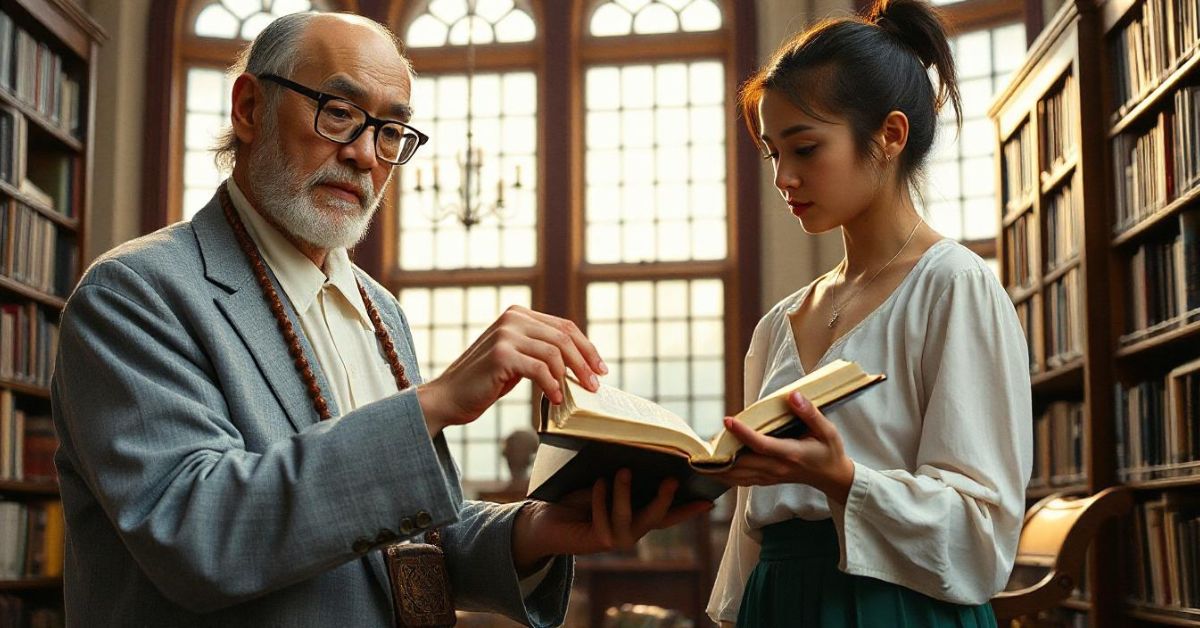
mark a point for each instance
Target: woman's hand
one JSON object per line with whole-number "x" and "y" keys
{"x": 818, "y": 459}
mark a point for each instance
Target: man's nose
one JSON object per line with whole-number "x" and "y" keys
{"x": 361, "y": 152}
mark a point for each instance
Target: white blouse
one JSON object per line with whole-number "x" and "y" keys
{"x": 942, "y": 450}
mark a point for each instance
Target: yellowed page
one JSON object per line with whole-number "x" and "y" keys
{"x": 822, "y": 386}
{"x": 639, "y": 418}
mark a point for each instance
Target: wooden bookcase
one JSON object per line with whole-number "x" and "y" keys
{"x": 1099, "y": 216}
{"x": 48, "y": 53}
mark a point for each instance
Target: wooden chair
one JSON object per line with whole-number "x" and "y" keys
{"x": 1054, "y": 541}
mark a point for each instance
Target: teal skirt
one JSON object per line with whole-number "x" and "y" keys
{"x": 797, "y": 583}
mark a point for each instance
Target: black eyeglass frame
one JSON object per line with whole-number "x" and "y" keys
{"x": 369, "y": 120}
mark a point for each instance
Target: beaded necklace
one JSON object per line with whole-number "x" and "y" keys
{"x": 285, "y": 325}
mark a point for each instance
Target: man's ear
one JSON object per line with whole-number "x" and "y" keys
{"x": 246, "y": 110}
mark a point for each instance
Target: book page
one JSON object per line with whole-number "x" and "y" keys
{"x": 619, "y": 404}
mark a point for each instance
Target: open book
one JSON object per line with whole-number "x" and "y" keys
{"x": 591, "y": 435}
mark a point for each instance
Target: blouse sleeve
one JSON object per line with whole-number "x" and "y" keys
{"x": 741, "y": 549}
{"x": 949, "y": 529}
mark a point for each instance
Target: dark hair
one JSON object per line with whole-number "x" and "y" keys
{"x": 864, "y": 68}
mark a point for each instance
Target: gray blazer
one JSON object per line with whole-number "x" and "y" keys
{"x": 199, "y": 487}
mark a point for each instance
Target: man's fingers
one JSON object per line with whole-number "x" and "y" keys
{"x": 649, "y": 517}
{"x": 682, "y": 513}
{"x": 600, "y": 521}
{"x": 587, "y": 351}
{"x": 622, "y": 515}
{"x": 533, "y": 369}
{"x": 566, "y": 351}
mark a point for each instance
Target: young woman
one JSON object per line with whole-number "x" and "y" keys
{"x": 904, "y": 506}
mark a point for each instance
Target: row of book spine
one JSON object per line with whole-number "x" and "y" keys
{"x": 1142, "y": 172}
{"x": 34, "y": 251}
{"x": 1019, "y": 167}
{"x": 17, "y": 613}
{"x": 1062, "y": 227}
{"x": 34, "y": 73}
{"x": 1027, "y": 314}
{"x": 1057, "y": 121}
{"x": 1058, "y": 445}
{"x": 1019, "y": 255}
{"x": 1159, "y": 35}
{"x": 1165, "y": 553}
{"x": 1187, "y": 139}
{"x": 1164, "y": 281}
{"x": 1064, "y": 319}
{"x": 27, "y": 442}
{"x": 44, "y": 177}
{"x": 1158, "y": 425}
{"x": 31, "y": 539}
{"x": 1156, "y": 165}
{"x": 28, "y": 336}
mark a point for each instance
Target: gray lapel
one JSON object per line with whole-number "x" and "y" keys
{"x": 248, "y": 313}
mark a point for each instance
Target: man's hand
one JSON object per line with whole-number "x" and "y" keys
{"x": 582, "y": 523}
{"x": 521, "y": 343}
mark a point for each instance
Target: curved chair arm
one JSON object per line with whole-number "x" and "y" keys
{"x": 1056, "y": 535}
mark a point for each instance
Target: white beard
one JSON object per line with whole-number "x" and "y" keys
{"x": 287, "y": 197}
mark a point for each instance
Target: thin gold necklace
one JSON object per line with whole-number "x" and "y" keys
{"x": 837, "y": 309}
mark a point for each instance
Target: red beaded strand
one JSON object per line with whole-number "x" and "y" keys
{"x": 285, "y": 325}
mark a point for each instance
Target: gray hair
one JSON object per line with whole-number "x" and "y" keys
{"x": 275, "y": 51}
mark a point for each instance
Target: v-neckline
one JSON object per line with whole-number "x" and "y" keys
{"x": 842, "y": 338}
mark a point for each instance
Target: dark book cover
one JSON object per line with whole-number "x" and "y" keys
{"x": 565, "y": 464}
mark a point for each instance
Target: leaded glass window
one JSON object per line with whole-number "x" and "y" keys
{"x": 959, "y": 192}
{"x": 459, "y": 22}
{"x": 207, "y": 90}
{"x": 654, "y": 17}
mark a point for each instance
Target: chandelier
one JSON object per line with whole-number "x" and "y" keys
{"x": 466, "y": 202}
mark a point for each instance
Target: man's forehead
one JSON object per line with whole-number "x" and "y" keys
{"x": 354, "y": 60}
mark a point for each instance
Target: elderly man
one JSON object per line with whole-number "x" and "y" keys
{"x": 242, "y": 421}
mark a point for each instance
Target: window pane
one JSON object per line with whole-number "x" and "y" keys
{"x": 663, "y": 152}
{"x": 499, "y": 176}
{"x": 444, "y": 321}
{"x": 459, "y": 22}
{"x": 701, "y": 15}
{"x": 620, "y": 17}
{"x": 960, "y": 180}
{"x": 245, "y": 19}
{"x": 656, "y": 18}
{"x": 207, "y": 114}
{"x": 663, "y": 346}
{"x": 216, "y": 21}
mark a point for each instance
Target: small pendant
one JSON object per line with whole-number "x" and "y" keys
{"x": 833, "y": 319}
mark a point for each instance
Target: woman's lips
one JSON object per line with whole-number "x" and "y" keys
{"x": 798, "y": 208}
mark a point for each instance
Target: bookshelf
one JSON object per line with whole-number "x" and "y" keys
{"x": 1101, "y": 254}
{"x": 48, "y": 52}
{"x": 1054, "y": 243}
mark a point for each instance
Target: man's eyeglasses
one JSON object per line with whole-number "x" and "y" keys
{"x": 342, "y": 121}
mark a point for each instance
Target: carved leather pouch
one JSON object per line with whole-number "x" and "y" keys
{"x": 420, "y": 584}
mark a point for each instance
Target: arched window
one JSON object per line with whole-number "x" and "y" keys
{"x": 600, "y": 176}
{"x": 988, "y": 39}
{"x": 213, "y": 32}
{"x": 602, "y": 127}
{"x": 656, "y": 199}
{"x": 467, "y": 217}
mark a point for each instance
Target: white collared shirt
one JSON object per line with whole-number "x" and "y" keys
{"x": 331, "y": 312}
